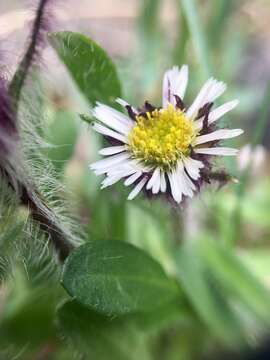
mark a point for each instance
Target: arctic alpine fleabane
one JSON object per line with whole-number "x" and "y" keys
{"x": 164, "y": 149}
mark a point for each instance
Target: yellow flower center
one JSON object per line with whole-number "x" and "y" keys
{"x": 162, "y": 137}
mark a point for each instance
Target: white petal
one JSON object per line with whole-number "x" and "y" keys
{"x": 133, "y": 178}
{"x": 137, "y": 189}
{"x": 110, "y": 180}
{"x": 122, "y": 171}
{"x": 113, "y": 118}
{"x": 190, "y": 183}
{"x": 108, "y": 132}
{"x": 109, "y": 162}
{"x": 216, "y": 90}
{"x": 182, "y": 180}
{"x": 175, "y": 188}
{"x": 156, "y": 184}
{"x": 218, "y": 113}
{"x": 130, "y": 167}
{"x": 193, "y": 167}
{"x": 174, "y": 83}
{"x": 163, "y": 184}
{"x": 224, "y": 151}
{"x": 200, "y": 99}
{"x": 140, "y": 166}
{"x": 211, "y": 90}
{"x": 124, "y": 119}
{"x": 218, "y": 135}
{"x": 124, "y": 103}
{"x": 153, "y": 178}
{"x": 222, "y": 110}
{"x": 122, "y": 168}
{"x": 110, "y": 121}
{"x": 111, "y": 150}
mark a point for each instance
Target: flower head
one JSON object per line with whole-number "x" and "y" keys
{"x": 167, "y": 149}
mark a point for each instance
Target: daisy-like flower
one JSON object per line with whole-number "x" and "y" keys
{"x": 164, "y": 149}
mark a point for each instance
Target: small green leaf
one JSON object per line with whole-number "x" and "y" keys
{"x": 114, "y": 277}
{"x": 91, "y": 68}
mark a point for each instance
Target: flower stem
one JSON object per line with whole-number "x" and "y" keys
{"x": 21, "y": 73}
{"x": 46, "y": 222}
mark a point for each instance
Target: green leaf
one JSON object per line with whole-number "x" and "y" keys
{"x": 114, "y": 277}
{"x": 105, "y": 337}
{"x": 91, "y": 68}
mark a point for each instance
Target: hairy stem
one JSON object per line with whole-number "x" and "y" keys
{"x": 43, "y": 216}
{"x": 46, "y": 222}
{"x": 28, "y": 195}
{"x": 18, "y": 80}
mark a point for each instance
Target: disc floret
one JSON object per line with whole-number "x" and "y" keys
{"x": 161, "y": 137}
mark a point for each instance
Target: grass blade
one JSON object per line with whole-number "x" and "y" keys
{"x": 189, "y": 8}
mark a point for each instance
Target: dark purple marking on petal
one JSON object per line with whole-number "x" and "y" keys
{"x": 131, "y": 112}
{"x": 179, "y": 102}
{"x": 149, "y": 107}
{"x": 204, "y": 110}
{"x": 191, "y": 151}
{"x": 143, "y": 114}
{"x": 112, "y": 141}
{"x": 169, "y": 90}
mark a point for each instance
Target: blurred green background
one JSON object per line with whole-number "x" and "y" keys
{"x": 217, "y": 246}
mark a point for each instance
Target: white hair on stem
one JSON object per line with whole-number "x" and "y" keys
{"x": 32, "y": 177}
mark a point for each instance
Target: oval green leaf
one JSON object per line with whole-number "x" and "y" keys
{"x": 114, "y": 277}
{"x": 89, "y": 65}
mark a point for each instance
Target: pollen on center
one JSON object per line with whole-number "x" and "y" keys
{"x": 161, "y": 137}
